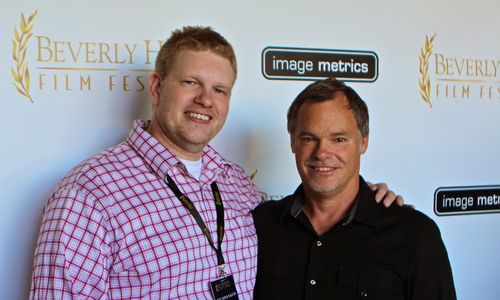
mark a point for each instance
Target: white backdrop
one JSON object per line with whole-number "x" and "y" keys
{"x": 82, "y": 48}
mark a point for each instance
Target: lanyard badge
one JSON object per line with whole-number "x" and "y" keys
{"x": 224, "y": 287}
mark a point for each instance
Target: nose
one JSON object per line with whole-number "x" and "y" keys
{"x": 322, "y": 151}
{"x": 204, "y": 97}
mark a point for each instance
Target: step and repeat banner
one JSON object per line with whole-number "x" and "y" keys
{"x": 74, "y": 76}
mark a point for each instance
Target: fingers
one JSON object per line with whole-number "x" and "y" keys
{"x": 381, "y": 192}
{"x": 389, "y": 198}
{"x": 371, "y": 186}
{"x": 392, "y": 198}
{"x": 386, "y": 196}
{"x": 400, "y": 201}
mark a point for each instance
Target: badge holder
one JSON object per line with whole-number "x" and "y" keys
{"x": 224, "y": 287}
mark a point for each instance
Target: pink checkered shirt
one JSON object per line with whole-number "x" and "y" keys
{"x": 114, "y": 230}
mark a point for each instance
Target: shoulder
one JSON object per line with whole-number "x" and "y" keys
{"x": 214, "y": 161}
{"x": 236, "y": 170}
{"x": 234, "y": 181}
{"x": 94, "y": 173}
{"x": 406, "y": 218}
{"x": 403, "y": 219}
{"x": 409, "y": 214}
{"x": 271, "y": 208}
{"x": 239, "y": 177}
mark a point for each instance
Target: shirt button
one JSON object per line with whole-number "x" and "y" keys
{"x": 319, "y": 243}
{"x": 363, "y": 294}
{"x": 312, "y": 282}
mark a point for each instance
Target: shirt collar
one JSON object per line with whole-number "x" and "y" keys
{"x": 364, "y": 209}
{"x": 160, "y": 159}
{"x": 294, "y": 207}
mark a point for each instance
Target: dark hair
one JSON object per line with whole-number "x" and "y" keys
{"x": 324, "y": 90}
{"x": 197, "y": 38}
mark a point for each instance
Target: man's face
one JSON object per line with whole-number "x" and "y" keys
{"x": 191, "y": 103}
{"x": 328, "y": 145}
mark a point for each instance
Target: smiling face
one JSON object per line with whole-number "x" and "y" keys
{"x": 190, "y": 104}
{"x": 328, "y": 146}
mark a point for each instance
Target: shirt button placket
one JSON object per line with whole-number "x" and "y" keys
{"x": 314, "y": 269}
{"x": 319, "y": 244}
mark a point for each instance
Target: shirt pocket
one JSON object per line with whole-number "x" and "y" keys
{"x": 369, "y": 283}
{"x": 276, "y": 280}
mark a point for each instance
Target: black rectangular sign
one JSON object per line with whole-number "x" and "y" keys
{"x": 467, "y": 200}
{"x": 313, "y": 64}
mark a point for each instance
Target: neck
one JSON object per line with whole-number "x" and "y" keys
{"x": 193, "y": 167}
{"x": 325, "y": 212}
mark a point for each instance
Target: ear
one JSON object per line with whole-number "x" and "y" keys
{"x": 364, "y": 144}
{"x": 154, "y": 89}
{"x": 292, "y": 143}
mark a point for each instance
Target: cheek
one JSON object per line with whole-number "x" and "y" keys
{"x": 223, "y": 108}
{"x": 301, "y": 155}
{"x": 173, "y": 101}
{"x": 353, "y": 156}
{"x": 162, "y": 106}
{"x": 299, "y": 163}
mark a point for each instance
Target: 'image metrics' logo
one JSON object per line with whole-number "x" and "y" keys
{"x": 447, "y": 77}
{"x": 467, "y": 200}
{"x": 286, "y": 63}
{"x": 42, "y": 62}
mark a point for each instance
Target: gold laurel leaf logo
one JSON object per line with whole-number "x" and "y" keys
{"x": 424, "y": 58}
{"x": 20, "y": 73}
{"x": 254, "y": 174}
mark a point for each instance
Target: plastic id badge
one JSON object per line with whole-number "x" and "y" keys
{"x": 224, "y": 289}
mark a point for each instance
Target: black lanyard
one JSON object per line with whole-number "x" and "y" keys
{"x": 188, "y": 204}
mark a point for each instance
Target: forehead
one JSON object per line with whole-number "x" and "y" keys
{"x": 203, "y": 55}
{"x": 205, "y": 61}
{"x": 333, "y": 114}
{"x": 197, "y": 56}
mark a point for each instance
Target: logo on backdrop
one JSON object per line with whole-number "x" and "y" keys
{"x": 20, "y": 72}
{"x": 264, "y": 194}
{"x": 447, "y": 77}
{"x": 42, "y": 62}
{"x": 467, "y": 200}
{"x": 286, "y": 63}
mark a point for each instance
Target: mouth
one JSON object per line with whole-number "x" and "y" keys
{"x": 198, "y": 116}
{"x": 324, "y": 169}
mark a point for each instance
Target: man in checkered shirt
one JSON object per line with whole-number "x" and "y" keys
{"x": 114, "y": 229}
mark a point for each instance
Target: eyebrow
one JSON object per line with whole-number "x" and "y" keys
{"x": 333, "y": 135}
{"x": 340, "y": 133}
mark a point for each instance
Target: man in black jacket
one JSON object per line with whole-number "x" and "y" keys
{"x": 330, "y": 240}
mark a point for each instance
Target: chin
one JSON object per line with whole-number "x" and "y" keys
{"x": 196, "y": 138}
{"x": 320, "y": 189}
